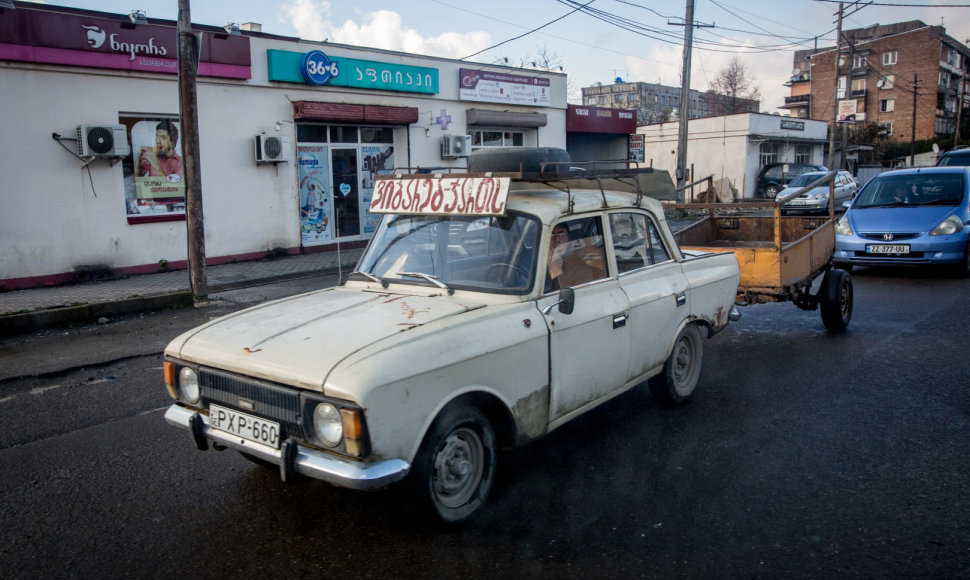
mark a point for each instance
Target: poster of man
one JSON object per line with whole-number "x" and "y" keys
{"x": 158, "y": 173}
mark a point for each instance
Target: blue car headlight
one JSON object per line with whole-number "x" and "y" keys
{"x": 950, "y": 225}
{"x": 842, "y": 226}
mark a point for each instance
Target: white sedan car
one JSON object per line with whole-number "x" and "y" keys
{"x": 483, "y": 314}
{"x": 817, "y": 198}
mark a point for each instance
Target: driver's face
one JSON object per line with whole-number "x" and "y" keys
{"x": 559, "y": 236}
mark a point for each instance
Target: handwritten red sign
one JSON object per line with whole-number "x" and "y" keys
{"x": 441, "y": 196}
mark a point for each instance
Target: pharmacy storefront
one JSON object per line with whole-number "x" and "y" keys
{"x": 292, "y": 135}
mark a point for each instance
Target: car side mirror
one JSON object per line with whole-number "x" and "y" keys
{"x": 847, "y": 204}
{"x": 567, "y": 299}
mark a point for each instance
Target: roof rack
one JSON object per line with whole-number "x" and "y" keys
{"x": 561, "y": 175}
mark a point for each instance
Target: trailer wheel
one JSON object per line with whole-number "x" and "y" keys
{"x": 679, "y": 378}
{"x": 836, "y": 300}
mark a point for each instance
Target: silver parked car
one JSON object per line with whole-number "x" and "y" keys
{"x": 817, "y": 199}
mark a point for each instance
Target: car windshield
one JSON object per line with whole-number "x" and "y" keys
{"x": 488, "y": 254}
{"x": 805, "y": 179}
{"x": 912, "y": 189}
{"x": 955, "y": 159}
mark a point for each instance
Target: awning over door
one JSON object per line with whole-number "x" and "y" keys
{"x": 504, "y": 118}
{"x": 350, "y": 113}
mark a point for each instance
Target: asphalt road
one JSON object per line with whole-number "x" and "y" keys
{"x": 802, "y": 455}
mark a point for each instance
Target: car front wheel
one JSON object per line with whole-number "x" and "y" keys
{"x": 679, "y": 377}
{"x": 455, "y": 468}
{"x": 771, "y": 191}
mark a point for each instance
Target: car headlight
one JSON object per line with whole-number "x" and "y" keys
{"x": 189, "y": 384}
{"x": 842, "y": 226}
{"x": 328, "y": 425}
{"x": 819, "y": 195}
{"x": 950, "y": 225}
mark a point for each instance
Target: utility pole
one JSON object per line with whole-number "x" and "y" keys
{"x": 188, "y": 67}
{"x": 835, "y": 90}
{"x": 688, "y": 24}
{"x": 960, "y": 97}
{"x": 912, "y": 137}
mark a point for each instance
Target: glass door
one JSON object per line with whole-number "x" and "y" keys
{"x": 346, "y": 186}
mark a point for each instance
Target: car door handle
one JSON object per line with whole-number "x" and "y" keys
{"x": 619, "y": 320}
{"x": 681, "y": 299}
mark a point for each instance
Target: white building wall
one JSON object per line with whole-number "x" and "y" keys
{"x": 729, "y": 146}
{"x": 56, "y": 215}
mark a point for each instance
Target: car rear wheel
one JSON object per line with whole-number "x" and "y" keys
{"x": 455, "y": 468}
{"x": 836, "y": 300}
{"x": 683, "y": 367}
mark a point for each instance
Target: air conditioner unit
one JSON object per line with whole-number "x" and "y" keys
{"x": 272, "y": 148}
{"x": 102, "y": 141}
{"x": 455, "y": 146}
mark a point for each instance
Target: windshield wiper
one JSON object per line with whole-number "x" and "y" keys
{"x": 893, "y": 204}
{"x": 433, "y": 279}
{"x": 369, "y": 276}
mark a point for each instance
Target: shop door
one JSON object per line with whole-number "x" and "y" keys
{"x": 346, "y": 191}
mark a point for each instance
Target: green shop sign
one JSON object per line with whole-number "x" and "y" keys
{"x": 288, "y": 67}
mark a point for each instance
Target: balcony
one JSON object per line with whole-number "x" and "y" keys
{"x": 798, "y": 99}
{"x": 858, "y": 93}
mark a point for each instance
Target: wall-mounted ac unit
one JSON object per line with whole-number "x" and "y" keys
{"x": 102, "y": 141}
{"x": 272, "y": 148}
{"x": 455, "y": 146}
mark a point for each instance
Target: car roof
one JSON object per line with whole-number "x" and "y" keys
{"x": 928, "y": 170}
{"x": 551, "y": 204}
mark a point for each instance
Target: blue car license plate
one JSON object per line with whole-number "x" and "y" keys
{"x": 887, "y": 249}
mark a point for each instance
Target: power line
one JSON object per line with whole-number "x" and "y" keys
{"x": 529, "y": 32}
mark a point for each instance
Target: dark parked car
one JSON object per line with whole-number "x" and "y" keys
{"x": 959, "y": 156}
{"x": 775, "y": 176}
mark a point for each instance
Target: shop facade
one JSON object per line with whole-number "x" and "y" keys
{"x": 736, "y": 147}
{"x": 292, "y": 135}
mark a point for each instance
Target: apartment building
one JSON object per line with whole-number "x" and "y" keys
{"x": 656, "y": 103}
{"x": 886, "y": 74}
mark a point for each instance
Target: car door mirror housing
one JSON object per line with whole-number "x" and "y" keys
{"x": 567, "y": 299}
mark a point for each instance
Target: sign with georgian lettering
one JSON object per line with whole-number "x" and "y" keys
{"x": 441, "y": 196}
{"x": 318, "y": 68}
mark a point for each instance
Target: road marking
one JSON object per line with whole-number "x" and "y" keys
{"x": 42, "y": 390}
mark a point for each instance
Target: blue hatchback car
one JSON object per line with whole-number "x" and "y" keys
{"x": 908, "y": 217}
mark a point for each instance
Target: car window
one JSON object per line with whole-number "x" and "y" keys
{"x": 912, "y": 190}
{"x": 575, "y": 253}
{"x": 804, "y": 179}
{"x": 773, "y": 171}
{"x": 489, "y": 254}
{"x": 962, "y": 159}
{"x": 636, "y": 242}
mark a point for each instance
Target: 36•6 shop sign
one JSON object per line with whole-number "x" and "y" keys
{"x": 318, "y": 68}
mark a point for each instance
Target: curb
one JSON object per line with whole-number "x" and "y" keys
{"x": 13, "y": 324}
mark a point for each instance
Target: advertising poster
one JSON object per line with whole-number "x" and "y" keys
{"x": 154, "y": 174}
{"x": 493, "y": 87}
{"x": 636, "y": 148}
{"x": 376, "y": 160}
{"x": 316, "y": 209}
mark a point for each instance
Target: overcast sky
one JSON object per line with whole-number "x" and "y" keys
{"x": 636, "y": 40}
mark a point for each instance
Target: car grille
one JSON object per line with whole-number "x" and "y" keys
{"x": 880, "y": 236}
{"x": 268, "y": 401}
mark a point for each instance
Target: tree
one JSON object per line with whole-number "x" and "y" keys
{"x": 732, "y": 84}
{"x": 652, "y": 113}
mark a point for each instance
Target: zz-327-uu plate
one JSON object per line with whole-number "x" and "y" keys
{"x": 246, "y": 426}
{"x": 887, "y": 248}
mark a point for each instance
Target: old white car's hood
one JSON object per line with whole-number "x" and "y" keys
{"x": 300, "y": 340}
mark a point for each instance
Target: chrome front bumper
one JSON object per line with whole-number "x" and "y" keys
{"x": 291, "y": 457}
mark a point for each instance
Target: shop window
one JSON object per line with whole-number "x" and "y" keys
{"x": 376, "y": 135}
{"x": 311, "y": 133}
{"x": 153, "y": 173}
{"x": 343, "y": 134}
{"x": 483, "y": 138}
{"x": 802, "y": 153}
{"x": 768, "y": 153}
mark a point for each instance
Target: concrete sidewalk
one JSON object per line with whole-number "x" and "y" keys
{"x": 45, "y": 307}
